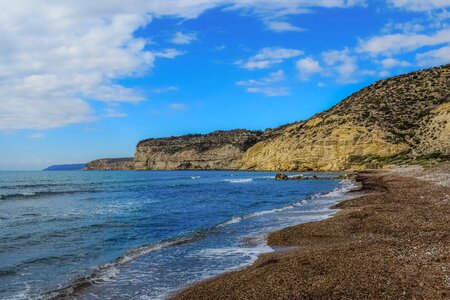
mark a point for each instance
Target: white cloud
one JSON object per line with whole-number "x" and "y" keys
{"x": 59, "y": 56}
{"x": 272, "y": 78}
{"x": 409, "y": 38}
{"x": 270, "y": 91}
{"x": 392, "y": 62}
{"x": 166, "y": 89}
{"x": 307, "y": 66}
{"x": 114, "y": 113}
{"x": 270, "y": 9}
{"x": 281, "y": 26}
{"x": 30, "y": 110}
{"x": 178, "y": 106}
{"x": 420, "y": 5}
{"x": 38, "y": 135}
{"x": 434, "y": 57}
{"x": 394, "y": 43}
{"x": 343, "y": 63}
{"x": 183, "y": 38}
{"x": 403, "y": 27}
{"x": 277, "y": 54}
{"x": 168, "y": 53}
{"x": 267, "y": 85}
{"x": 268, "y": 57}
{"x": 443, "y": 15}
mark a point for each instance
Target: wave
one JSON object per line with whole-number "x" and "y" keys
{"x": 345, "y": 187}
{"x": 252, "y": 252}
{"x": 238, "y": 219}
{"x": 108, "y": 271}
{"x": 27, "y": 195}
{"x": 37, "y": 185}
{"x": 239, "y": 180}
{"x": 233, "y": 220}
{"x": 196, "y": 177}
{"x": 135, "y": 253}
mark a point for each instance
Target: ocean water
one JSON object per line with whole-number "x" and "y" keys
{"x": 142, "y": 235}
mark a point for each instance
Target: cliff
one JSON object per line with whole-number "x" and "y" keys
{"x": 396, "y": 120}
{"x": 111, "y": 164}
{"x": 219, "y": 150}
{"x": 403, "y": 119}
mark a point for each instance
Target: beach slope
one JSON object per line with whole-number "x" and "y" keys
{"x": 392, "y": 242}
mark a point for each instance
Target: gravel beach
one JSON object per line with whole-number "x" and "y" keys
{"x": 390, "y": 242}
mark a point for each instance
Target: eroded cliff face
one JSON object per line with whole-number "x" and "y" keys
{"x": 391, "y": 121}
{"x": 433, "y": 135}
{"x": 317, "y": 149}
{"x": 407, "y": 116}
{"x": 219, "y": 150}
{"x": 111, "y": 164}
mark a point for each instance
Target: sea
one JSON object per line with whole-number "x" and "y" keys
{"x": 143, "y": 234}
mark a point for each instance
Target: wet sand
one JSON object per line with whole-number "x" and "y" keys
{"x": 393, "y": 242}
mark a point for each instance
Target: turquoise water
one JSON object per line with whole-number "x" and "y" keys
{"x": 141, "y": 235}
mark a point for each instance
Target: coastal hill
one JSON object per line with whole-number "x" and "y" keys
{"x": 397, "y": 120}
{"x": 216, "y": 150}
{"x": 126, "y": 163}
{"x": 404, "y": 117}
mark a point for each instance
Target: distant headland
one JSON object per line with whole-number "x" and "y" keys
{"x": 66, "y": 167}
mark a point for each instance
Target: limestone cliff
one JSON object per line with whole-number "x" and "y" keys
{"x": 217, "y": 150}
{"x": 405, "y": 116}
{"x": 433, "y": 136}
{"x": 401, "y": 119}
{"x": 111, "y": 164}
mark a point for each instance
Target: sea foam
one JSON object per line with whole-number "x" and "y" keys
{"x": 239, "y": 180}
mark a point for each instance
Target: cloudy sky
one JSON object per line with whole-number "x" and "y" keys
{"x": 83, "y": 79}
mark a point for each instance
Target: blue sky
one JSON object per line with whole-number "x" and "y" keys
{"x": 81, "y": 80}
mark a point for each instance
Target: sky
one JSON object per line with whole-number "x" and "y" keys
{"x": 83, "y": 79}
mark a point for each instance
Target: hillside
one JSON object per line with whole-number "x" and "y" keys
{"x": 126, "y": 163}
{"x": 403, "y": 118}
{"x": 216, "y": 150}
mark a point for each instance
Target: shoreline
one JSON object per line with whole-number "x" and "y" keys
{"x": 79, "y": 286}
{"x": 391, "y": 241}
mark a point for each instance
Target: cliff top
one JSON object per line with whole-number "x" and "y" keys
{"x": 240, "y": 138}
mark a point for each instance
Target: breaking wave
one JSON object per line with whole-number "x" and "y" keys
{"x": 345, "y": 187}
{"x": 239, "y": 180}
{"x": 28, "y": 195}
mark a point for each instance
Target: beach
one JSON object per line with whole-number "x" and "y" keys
{"x": 122, "y": 235}
{"x": 391, "y": 241}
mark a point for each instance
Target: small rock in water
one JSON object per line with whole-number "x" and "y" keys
{"x": 281, "y": 176}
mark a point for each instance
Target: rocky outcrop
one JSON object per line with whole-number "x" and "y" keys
{"x": 219, "y": 150}
{"x": 403, "y": 117}
{"x": 111, "y": 164}
{"x": 281, "y": 176}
